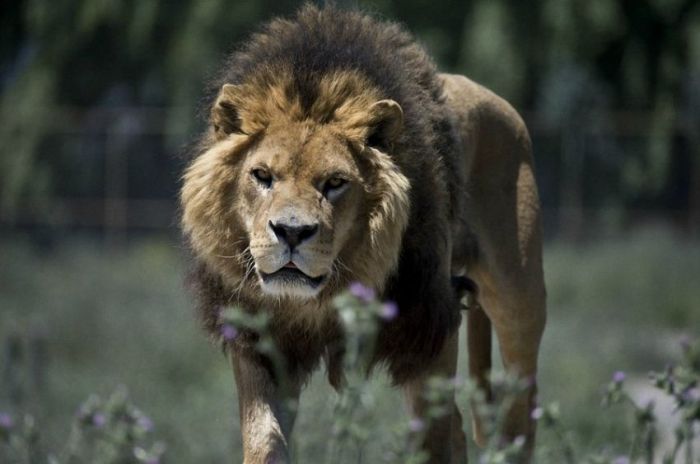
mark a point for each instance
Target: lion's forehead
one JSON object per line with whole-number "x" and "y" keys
{"x": 304, "y": 151}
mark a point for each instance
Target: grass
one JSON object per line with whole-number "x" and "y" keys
{"x": 123, "y": 318}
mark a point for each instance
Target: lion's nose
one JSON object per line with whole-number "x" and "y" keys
{"x": 293, "y": 235}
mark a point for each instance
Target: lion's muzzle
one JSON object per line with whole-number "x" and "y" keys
{"x": 292, "y": 262}
{"x": 292, "y": 234}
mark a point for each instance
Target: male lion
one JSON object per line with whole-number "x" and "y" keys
{"x": 336, "y": 153}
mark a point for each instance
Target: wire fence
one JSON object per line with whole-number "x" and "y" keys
{"x": 116, "y": 173}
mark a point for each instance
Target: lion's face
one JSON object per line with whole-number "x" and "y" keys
{"x": 286, "y": 204}
{"x": 299, "y": 199}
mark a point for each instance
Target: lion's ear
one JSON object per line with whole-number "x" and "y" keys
{"x": 224, "y": 114}
{"x": 386, "y": 124}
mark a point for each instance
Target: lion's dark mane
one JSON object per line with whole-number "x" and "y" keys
{"x": 319, "y": 41}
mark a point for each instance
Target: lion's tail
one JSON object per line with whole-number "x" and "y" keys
{"x": 479, "y": 346}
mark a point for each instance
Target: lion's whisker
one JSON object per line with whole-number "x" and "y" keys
{"x": 250, "y": 267}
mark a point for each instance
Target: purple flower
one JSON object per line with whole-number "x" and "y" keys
{"x": 153, "y": 460}
{"x": 389, "y": 311}
{"x": 537, "y": 413}
{"x": 621, "y": 460}
{"x": 99, "y": 420}
{"x": 416, "y": 425}
{"x": 361, "y": 292}
{"x": 6, "y": 421}
{"x": 145, "y": 423}
{"x": 691, "y": 395}
{"x": 685, "y": 342}
{"x": 618, "y": 377}
{"x": 229, "y": 332}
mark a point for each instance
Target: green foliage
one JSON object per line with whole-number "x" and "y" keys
{"x": 115, "y": 431}
{"x": 102, "y": 432}
{"x": 111, "y": 319}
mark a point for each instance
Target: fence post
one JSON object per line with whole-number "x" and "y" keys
{"x": 571, "y": 183}
{"x": 115, "y": 205}
{"x": 690, "y": 120}
{"x": 694, "y": 201}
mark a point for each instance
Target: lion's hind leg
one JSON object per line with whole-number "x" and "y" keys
{"x": 518, "y": 321}
{"x": 511, "y": 288}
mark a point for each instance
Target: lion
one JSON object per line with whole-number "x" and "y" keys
{"x": 337, "y": 153}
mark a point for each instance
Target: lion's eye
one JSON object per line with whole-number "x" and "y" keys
{"x": 335, "y": 182}
{"x": 263, "y": 176}
{"x": 333, "y": 185}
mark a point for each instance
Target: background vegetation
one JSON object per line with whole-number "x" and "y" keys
{"x": 609, "y": 89}
{"x": 98, "y": 97}
{"x": 110, "y": 319}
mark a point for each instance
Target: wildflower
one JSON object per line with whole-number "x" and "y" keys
{"x": 537, "y": 413}
{"x": 229, "y": 332}
{"x": 145, "y": 423}
{"x": 147, "y": 457}
{"x": 691, "y": 395}
{"x": 362, "y": 292}
{"x": 6, "y": 421}
{"x": 416, "y": 425}
{"x": 618, "y": 377}
{"x": 99, "y": 420}
{"x": 519, "y": 441}
{"x": 389, "y": 311}
{"x": 457, "y": 381}
{"x": 621, "y": 460}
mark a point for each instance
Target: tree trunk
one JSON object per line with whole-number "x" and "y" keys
{"x": 571, "y": 213}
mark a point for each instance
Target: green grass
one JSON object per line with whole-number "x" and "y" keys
{"x": 123, "y": 318}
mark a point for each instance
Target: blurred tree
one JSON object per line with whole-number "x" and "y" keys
{"x": 101, "y": 54}
{"x": 634, "y": 55}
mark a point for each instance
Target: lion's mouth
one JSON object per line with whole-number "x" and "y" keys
{"x": 291, "y": 275}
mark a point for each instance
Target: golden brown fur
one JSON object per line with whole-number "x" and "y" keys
{"x": 435, "y": 178}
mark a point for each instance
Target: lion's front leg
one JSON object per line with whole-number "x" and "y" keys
{"x": 443, "y": 438}
{"x": 266, "y": 417}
